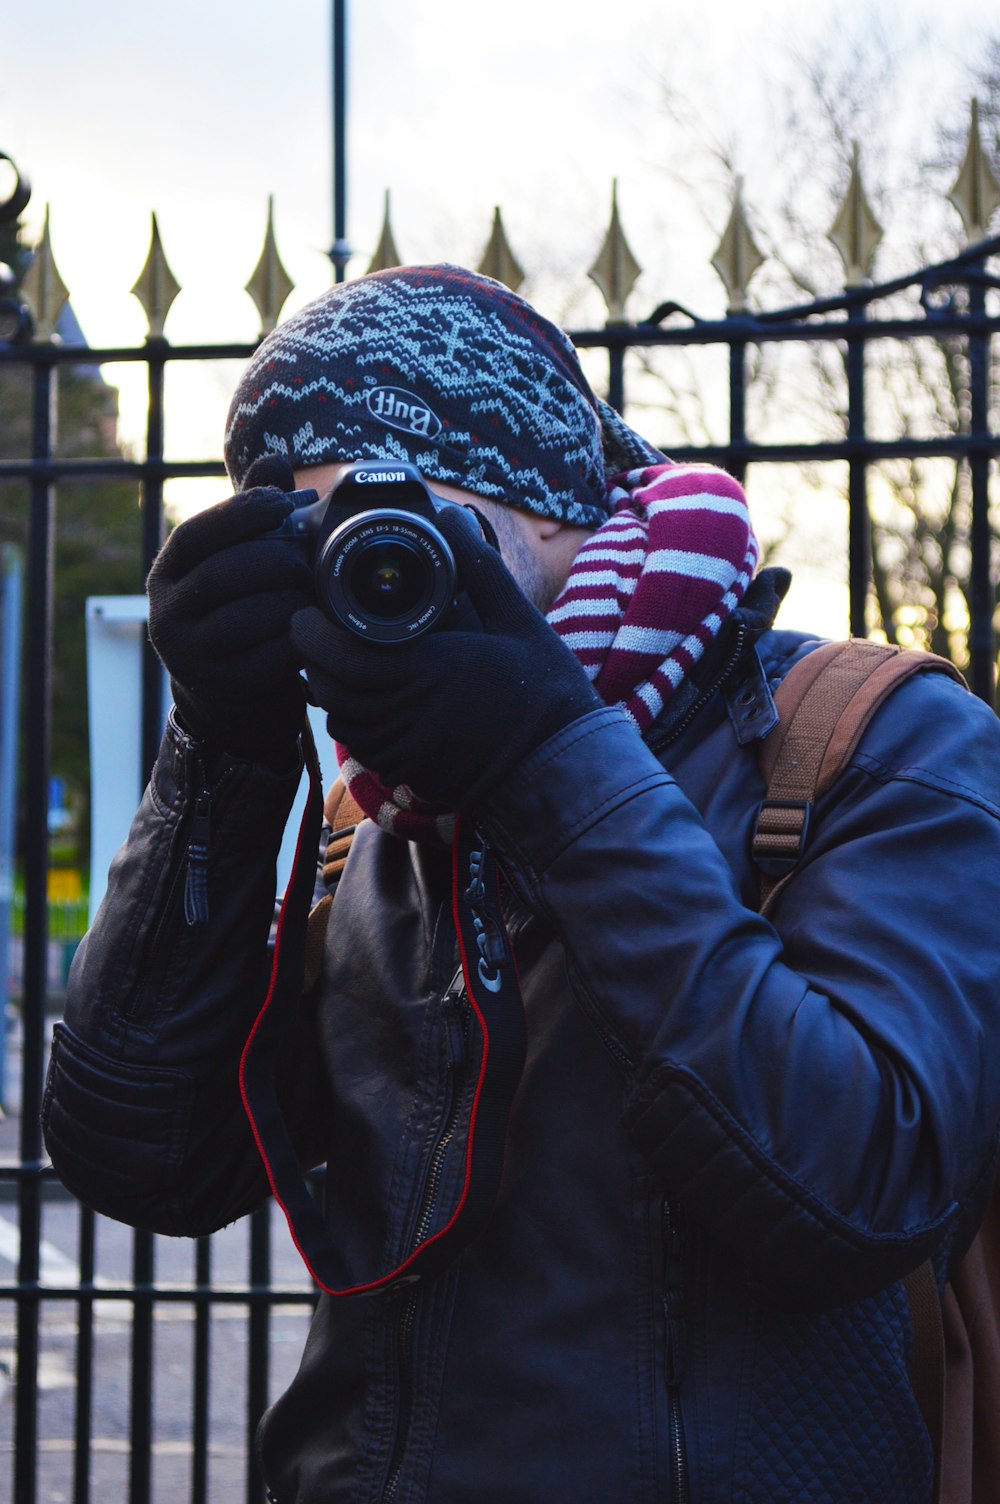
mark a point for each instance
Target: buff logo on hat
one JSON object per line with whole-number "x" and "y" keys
{"x": 403, "y": 410}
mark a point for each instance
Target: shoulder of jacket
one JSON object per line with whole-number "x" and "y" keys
{"x": 779, "y": 650}
{"x": 930, "y": 730}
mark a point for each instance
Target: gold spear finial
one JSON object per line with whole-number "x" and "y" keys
{"x": 270, "y": 284}
{"x": 499, "y": 261}
{"x": 855, "y": 231}
{"x": 737, "y": 255}
{"x": 976, "y": 192}
{"x": 42, "y": 287}
{"x": 386, "y": 255}
{"x": 615, "y": 270}
{"x": 156, "y": 287}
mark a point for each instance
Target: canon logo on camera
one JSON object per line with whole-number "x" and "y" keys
{"x": 380, "y": 477}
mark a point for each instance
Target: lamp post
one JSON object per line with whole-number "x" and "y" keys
{"x": 340, "y": 251}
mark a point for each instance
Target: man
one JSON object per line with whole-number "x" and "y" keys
{"x": 731, "y": 1137}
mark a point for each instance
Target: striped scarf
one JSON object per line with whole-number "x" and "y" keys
{"x": 648, "y": 592}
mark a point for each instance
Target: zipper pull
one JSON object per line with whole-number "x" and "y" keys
{"x": 455, "y": 1013}
{"x": 196, "y": 878}
{"x": 673, "y": 1295}
{"x": 673, "y": 1328}
{"x": 673, "y": 1246}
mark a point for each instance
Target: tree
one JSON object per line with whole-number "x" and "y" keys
{"x": 850, "y": 88}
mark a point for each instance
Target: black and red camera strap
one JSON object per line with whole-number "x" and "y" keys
{"x": 494, "y": 996}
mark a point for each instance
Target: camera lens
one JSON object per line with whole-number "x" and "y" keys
{"x": 386, "y": 574}
{"x": 389, "y": 580}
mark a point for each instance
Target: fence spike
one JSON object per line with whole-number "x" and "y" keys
{"x": 156, "y": 287}
{"x": 499, "y": 260}
{"x": 42, "y": 287}
{"x": 615, "y": 270}
{"x": 975, "y": 192}
{"x": 737, "y": 255}
{"x": 386, "y": 255}
{"x": 856, "y": 232}
{"x": 270, "y": 284}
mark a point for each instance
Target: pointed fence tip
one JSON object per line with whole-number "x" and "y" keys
{"x": 737, "y": 256}
{"x": 498, "y": 260}
{"x": 269, "y": 285}
{"x": 856, "y": 232}
{"x": 43, "y": 288}
{"x": 975, "y": 192}
{"x": 156, "y": 287}
{"x": 615, "y": 269}
{"x": 386, "y": 252}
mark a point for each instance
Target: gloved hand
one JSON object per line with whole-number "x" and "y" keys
{"x": 220, "y": 601}
{"x": 452, "y": 712}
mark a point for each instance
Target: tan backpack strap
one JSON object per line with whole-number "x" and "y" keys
{"x": 319, "y": 918}
{"x": 343, "y": 815}
{"x": 928, "y": 1367}
{"x": 824, "y": 704}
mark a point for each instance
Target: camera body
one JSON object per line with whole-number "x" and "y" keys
{"x": 382, "y": 569}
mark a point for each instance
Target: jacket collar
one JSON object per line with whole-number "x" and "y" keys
{"x": 721, "y": 664}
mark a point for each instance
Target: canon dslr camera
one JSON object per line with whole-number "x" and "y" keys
{"x": 382, "y": 568}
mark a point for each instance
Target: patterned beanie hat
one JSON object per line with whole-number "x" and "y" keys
{"x": 443, "y": 369}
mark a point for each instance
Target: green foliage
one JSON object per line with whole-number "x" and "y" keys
{"x": 97, "y": 548}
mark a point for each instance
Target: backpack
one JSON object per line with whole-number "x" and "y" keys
{"x": 824, "y": 704}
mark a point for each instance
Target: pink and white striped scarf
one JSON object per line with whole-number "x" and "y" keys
{"x": 647, "y": 594}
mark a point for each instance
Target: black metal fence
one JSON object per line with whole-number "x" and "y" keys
{"x": 182, "y": 1455}
{"x": 952, "y": 307}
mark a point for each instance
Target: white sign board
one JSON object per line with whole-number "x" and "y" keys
{"x": 116, "y": 629}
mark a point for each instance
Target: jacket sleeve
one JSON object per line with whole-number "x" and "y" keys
{"x": 142, "y": 1112}
{"x": 822, "y": 1091}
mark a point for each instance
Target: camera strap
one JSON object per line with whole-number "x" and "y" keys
{"x": 494, "y": 997}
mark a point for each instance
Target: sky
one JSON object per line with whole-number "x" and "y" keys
{"x": 202, "y": 109}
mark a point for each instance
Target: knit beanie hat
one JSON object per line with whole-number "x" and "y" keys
{"x": 445, "y": 370}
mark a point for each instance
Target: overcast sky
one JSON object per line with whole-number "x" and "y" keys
{"x": 200, "y": 109}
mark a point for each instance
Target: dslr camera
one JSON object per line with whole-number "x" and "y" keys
{"x": 382, "y": 569}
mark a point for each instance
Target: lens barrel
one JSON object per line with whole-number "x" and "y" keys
{"x": 386, "y": 574}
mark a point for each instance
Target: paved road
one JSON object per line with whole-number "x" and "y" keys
{"x": 173, "y": 1352}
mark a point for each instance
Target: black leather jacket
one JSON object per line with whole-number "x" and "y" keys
{"x": 731, "y": 1140}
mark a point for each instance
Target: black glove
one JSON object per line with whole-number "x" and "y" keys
{"x": 454, "y": 711}
{"x": 220, "y": 601}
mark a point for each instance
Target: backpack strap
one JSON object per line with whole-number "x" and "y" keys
{"x": 824, "y": 704}
{"x": 343, "y": 814}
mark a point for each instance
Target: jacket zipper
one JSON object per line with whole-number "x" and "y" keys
{"x": 188, "y": 881}
{"x": 404, "y": 1402}
{"x": 673, "y": 1263}
{"x": 455, "y": 1009}
{"x": 673, "y": 1349}
{"x": 196, "y": 879}
{"x": 657, "y": 743}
